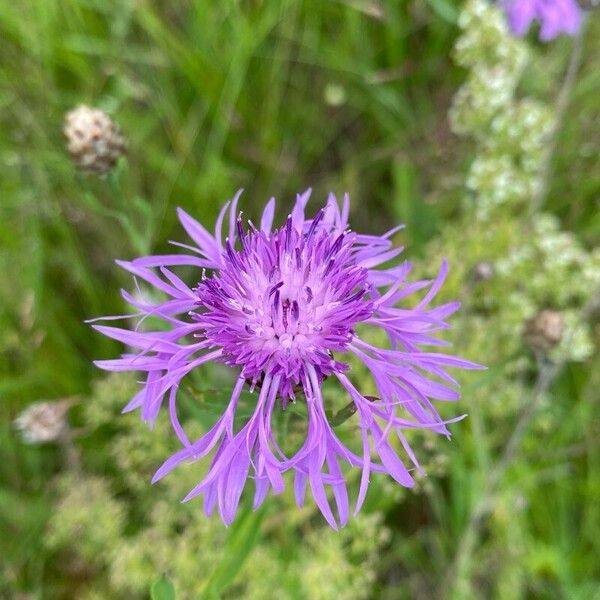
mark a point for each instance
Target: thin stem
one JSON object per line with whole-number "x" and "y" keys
{"x": 125, "y": 214}
{"x": 562, "y": 104}
{"x": 547, "y": 373}
{"x": 72, "y": 456}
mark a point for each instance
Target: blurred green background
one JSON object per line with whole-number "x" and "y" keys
{"x": 276, "y": 96}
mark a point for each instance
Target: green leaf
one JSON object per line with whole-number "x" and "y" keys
{"x": 239, "y": 545}
{"x": 162, "y": 589}
{"x": 444, "y": 9}
{"x": 409, "y": 207}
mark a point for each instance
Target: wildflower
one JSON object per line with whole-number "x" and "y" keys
{"x": 280, "y": 306}
{"x": 95, "y": 142}
{"x": 43, "y": 422}
{"x": 555, "y": 16}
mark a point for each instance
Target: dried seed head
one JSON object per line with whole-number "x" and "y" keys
{"x": 94, "y": 141}
{"x": 544, "y": 330}
{"x": 43, "y": 422}
{"x": 482, "y": 271}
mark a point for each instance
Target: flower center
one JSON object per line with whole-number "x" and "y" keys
{"x": 285, "y": 300}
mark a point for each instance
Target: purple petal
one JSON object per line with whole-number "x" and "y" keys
{"x": 267, "y": 217}
{"x": 201, "y": 237}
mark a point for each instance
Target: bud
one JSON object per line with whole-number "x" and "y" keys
{"x": 545, "y": 330}
{"x": 43, "y": 422}
{"x": 334, "y": 95}
{"x": 94, "y": 141}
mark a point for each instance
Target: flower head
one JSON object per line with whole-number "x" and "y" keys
{"x": 94, "y": 140}
{"x": 281, "y": 308}
{"x": 43, "y": 422}
{"x": 555, "y": 16}
{"x": 544, "y": 330}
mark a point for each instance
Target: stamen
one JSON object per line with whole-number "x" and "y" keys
{"x": 354, "y": 297}
{"x": 329, "y": 267}
{"x": 231, "y": 254}
{"x": 286, "y": 307}
{"x": 288, "y": 234}
{"x": 240, "y": 231}
{"x": 313, "y": 226}
{"x": 275, "y": 288}
{"x": 336, "y": 245}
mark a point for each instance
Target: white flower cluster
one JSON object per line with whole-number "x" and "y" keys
{"x": 511, "y": 134}
{"x": 495, "y": 61}
{"x": 559, "y": 273}
{"x": 495, "y": 180}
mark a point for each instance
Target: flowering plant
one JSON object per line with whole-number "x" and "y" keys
{"x": 555, "y": 16}
{"x": 280, "y": 306}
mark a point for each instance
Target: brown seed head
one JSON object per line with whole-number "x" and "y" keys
{"x": 43, "y": 422}
{"x": 94, "y": 140}
{"x": 544, "y": 330}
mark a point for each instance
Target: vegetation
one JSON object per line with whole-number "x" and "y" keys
{"x": 426, "y": 113}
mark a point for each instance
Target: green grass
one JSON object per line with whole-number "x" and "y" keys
{"x": 215, "y": 96}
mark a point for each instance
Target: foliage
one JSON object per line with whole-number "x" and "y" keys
{"x": 423, "y": 114}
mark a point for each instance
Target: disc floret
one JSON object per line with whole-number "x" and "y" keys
{"x": 285, "y": 301}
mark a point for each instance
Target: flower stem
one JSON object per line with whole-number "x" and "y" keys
{"x": 547, "y": 373}
{"x": 561, "y": 106}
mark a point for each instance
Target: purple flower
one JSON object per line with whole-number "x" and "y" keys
{"x": 555, "y": 16}
{"x": 280, "y": 307}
